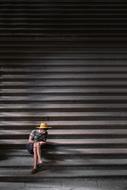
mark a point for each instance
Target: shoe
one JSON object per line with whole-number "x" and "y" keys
{"x": 39, "y": 165}
{"x": 34, "y": 170}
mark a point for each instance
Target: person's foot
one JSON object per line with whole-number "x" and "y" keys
{"x": 40, "y": 164}
{"x": 34, "y": 170}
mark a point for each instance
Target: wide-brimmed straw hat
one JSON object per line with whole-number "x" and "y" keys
{"x": 43, "y": 125}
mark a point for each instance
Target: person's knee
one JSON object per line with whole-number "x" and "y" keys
{"x": 37, "y": 145}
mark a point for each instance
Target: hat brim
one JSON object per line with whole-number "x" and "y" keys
{"x": 43, "y": 127}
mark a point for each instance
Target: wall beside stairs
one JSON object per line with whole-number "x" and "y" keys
{"x": 64, "y": 62}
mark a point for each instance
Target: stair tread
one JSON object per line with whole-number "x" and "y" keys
{"x": 67, "y": 132}
{"x": 14, "y": 152}
{"x": 58, "y": 114}
{"x": 72, "y": 123}
{"x": 64, "y": 98}
{"x": 64, "y": 91}
{"x": 60, "y": 83}
{"x": 50, "y": 69}
{"x": 72, "y": 63}
{"x": 58, "y": 106}
{"x": 71, "y": 141}
{"x": 58, "y": 173}
{"x": 27, "y": 161}
{"x": 63, "y": 76}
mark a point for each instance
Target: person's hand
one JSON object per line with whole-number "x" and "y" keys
{"x": 42, "y": 142}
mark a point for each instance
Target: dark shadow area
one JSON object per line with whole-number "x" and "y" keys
{"x": 41, "y": 30}
{"x": 4, "y": 155}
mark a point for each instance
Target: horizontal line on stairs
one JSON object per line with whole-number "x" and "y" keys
{"x": 58, "y": 41}
{"x": 27, "y": 110}
{"x": 63, "y": 98}
{"x": 74, "y": 13}
{"x": 58, "y": 83}
{"x": 25, "y": 175}
{"x": 57, "y": 106}
{"x": 104, "y": 126}
{"x": 73, "y": 136}
{"x": 74, "y": 153}
{"x": 65, "y": 167}
{"x": 63, "y": 101}
{"x": 67, "y": 12}
{"x": 70, "y": 136}
{"x": 6, "y": 91}
{"x": 63, "y": 94}
{"x": 65, "y": 81}
{"x": 61, "y": 63}
{"x": 68, "y": 43}
{"x": 78, "y": 153}
{"x": 82, "y": 76}
{"x": 62, "y": 10}
{"x": 63, "y": 156}
{"x": 68, "y": 19}
{"x": 69, "y": 24}
{"x": 43, "y": 91}
{"x": 82, "y": 53}
{"x": 73, "y": 142}
{"x": 63, "y": 124}
{"x": 53, "y": 132}
{"x": 64, "y": 114}
{"x": 62, "y": 75}
{"x": 59, "y": 118}
{"x": 50, "y": 69}
{"x": 15, "y": 161}
{"x": 62, "y": 5}
{"x": 62, "y": 51}
{"x": 28, "y": 58}
{"x": 63, "y": 29}
{"x": 65, "y": 2}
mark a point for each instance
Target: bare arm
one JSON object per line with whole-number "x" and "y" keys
{"x": 30, "y": 139}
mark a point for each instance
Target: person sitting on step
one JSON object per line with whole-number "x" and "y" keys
{"x": 37, "y": 138}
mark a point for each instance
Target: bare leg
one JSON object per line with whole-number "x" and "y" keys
{"x": 35, "y": 156}
{"x": 39, "y": 153}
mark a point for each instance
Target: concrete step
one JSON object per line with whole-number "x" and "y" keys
{"x": 80, "y": 90}
{"x": 5, "y": 133}
{"x": 55, "y": 155}
{"x": 57, "y": 56}
{"x": 63, "y": 124}
{"x": 64, "y": 97}
{"x": 63, "y": 83}
{"x": 57, "y": 107}
{"x": 63, "y": 114}
{"x": 24, "y": 175}
{"x": 11, "y": 161}
{"x": 117, "y": 143}
{"x": 93, "y": 63}
{"x": 71, "y": 141}
{"x": 56, "y": 69}
{"x": 78, "y": 76}
{"x": 23, "y": 106}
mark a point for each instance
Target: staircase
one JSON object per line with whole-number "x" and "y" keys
{"x": 64, "y": 62}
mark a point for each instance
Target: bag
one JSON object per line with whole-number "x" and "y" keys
{"x": 29, "y": 147}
